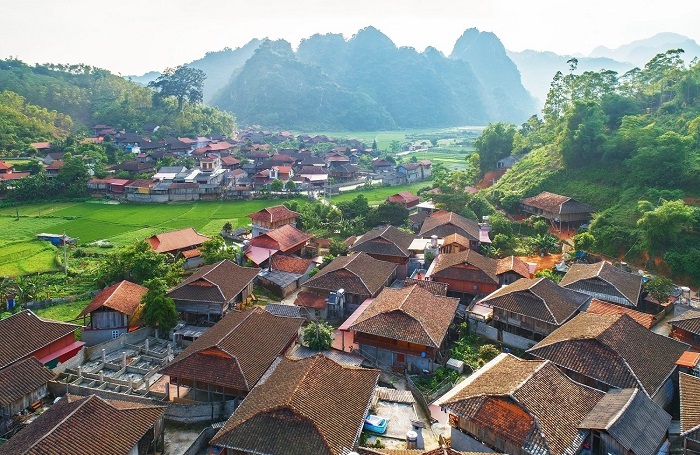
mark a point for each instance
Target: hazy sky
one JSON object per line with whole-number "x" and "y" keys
{"x": 135, "y": 36}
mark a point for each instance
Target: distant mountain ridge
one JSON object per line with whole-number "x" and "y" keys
{"x": 368, "y": 82}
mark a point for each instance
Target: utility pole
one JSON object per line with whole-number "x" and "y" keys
{"x": 65, "y": 255}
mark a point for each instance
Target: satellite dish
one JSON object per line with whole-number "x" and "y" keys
{"x": 423, "y": 354}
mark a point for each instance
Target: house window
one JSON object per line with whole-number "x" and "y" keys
{"x": 115, "y": 333}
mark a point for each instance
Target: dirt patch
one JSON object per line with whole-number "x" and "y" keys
{"x": 543, "y": 262}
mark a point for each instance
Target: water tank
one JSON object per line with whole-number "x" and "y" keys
{"x": 433, "y": 241}
{"x": 411, "y": 439}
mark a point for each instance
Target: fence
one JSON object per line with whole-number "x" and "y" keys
{"x": 36, "y": 304}
{"x": 506, "y": 338}
{"x": 201, "y": 442}
{"x": 418, "y": 395}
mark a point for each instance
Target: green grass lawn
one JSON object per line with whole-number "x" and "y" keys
{"x": 63, "y": 311}
{"x": 123, "y": 224}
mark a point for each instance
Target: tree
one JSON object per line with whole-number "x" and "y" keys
{"x": 395, "y": 146}
{"x": 184, "y": 83}
{"x": 662, "y": 227}
{"x": 659, "y": 288}
{"x": 547, "y": 243}
{"x": 290, "y": 185}
{"x": 317, "y": 335}
{"x": 228, "y": 227}
{"x": 337, "y": 248}
{"x": 159, "y": 310}
{"x": 73, "y": 176}
{"x": 494, "y": 143}
{"x": 139, "y": 263}
{"x": 216, "y": 249}
{"x": 276, "y": 185}
{"x": 584, "y": 241}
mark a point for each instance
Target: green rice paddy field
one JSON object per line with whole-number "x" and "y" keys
{"x": 122, "y": 224}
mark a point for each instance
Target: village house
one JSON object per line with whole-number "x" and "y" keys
{"x": 613, "y": 351}
{"x": 604, "y": 281}
{"x": 206, "y": 295}
{"x": 689, "y": 386}
{"x": 686, "y": 328}
{"x": 468, "y": 273}
{"x": 285, "y": 274}
{"x": 382, "y": 165}
{"x": 307, "y": 406}
{"x": 442, "y": 224}
{"x": 285, "y": 239}
{"x": 404, "y": 329}
{"x": 557, "y": 209}
{"x": 22, "y": 384}
{"x": 626, "y": 421}
{"x": 178, "y": 243}
{"x": 113, "y": 312}
{"x": 27, "y": 335}
{"x": 405, "y": 198}
{"x": 126, "y": 428}
{"x": 518, "y": 407}
{"x": 411, "y": 171}
{"x": 523, "y": 407}
{"x": 358, "y": 275}
{"x": 228, "y": 360}
{"x": 389, "y": 244}
{"x": 54, "y": 168}
{"x": 315, "y": 175}
{"x": 454, "y": 243}
{"x": 272, "y": 218}
{"x": 342, "y": 172}
{"x": 533, "y": 308}
{"x": 6, "y": 172}
{"x": 600, "y": 307}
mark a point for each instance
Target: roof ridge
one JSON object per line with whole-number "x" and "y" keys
{"x": 415, "y": 286}
{"x": 530, "y": 288}
{"x": 622, "y": 409}
{"x": 613, "y": 285}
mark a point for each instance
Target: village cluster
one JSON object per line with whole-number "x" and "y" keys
{"x": 591, "y": 375}
{"x": 226, "y": 168}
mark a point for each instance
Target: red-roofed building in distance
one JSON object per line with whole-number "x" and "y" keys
{"x": 405, "y": 198}
{"x": 272, "y": 218}
{"x": 113, "y": 312}
{"x": 177, "y": 242}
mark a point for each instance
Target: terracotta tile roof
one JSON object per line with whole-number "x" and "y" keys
{"x": 634, "y": 421}
{"x": 220, "y": 282}
{"x": 176, "y": 240}
{"x": 56, "y": 165}
{"x": 230, "y": 160}
{"x": 688, "y": 321}
{"x": 22, "y": 378}
{"x": 41, "y": 145}
{"x": 358, "y": 274}
{"x": 313, "y": 170}
{"x": 556, "y": 203}
{"x": 16, "y": 344}
{"x": 514, "y": 264}
{"x": 479, "y": 268}
{"x": 418, "y": 218}
{"x": 689, "y": 388}
{"x": 5, "y": 165}
{"x": 456, "y": 238}
{"x": 273, "y": 214}
{"x": 604, "y": 279}
{"x": 410, "y": 314}
{"x": 284, "y": 238}
{"x": 438, "y": 451}
{"x": 600, "y": 307}
{"x": 312, "y": 300}
{"x": 403, "y": 197}
{"x": 689, "y": 359}
{"x": 291, "y": 264}
{"x": 443, "y": 223}
{"x": 188, "y": 254}
{"x": 388, "y": 241}
{"x": 538, "y": 298}
{"x": 64, "y": 426}
{"x": 237, "y": 350}
{"x": 124, "y": 297}
{"x": 307, "y": 406}
{"x": 612, "y": 349}
{"x": 433, "y": 287}
{"x": 530, "y": 403}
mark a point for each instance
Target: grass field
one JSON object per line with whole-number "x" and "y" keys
{"x": 123, "y": 224}
{"x": 63, "y": 311}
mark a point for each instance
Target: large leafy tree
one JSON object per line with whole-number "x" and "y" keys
{"x": 183, "y": 82}
{"x": 159, "y": 310}
{"x": 216, "y": 250}
{"x": 494, "y": 143}
{"x": 138, "y": 263}
{"x": 317, "y": 335}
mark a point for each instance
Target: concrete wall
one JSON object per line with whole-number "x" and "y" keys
{"x": 72, "y": 363}
{"x": 201, "y": 443}
{"x": 135, "y": 337}
{"x": 465, "y": 443}
{"x": 214, "y": 411}
{"x": 92, "y": 337}
{"x": 508, "y": 339}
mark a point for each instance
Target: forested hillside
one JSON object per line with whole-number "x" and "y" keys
{"x": 49, "y": 101}
{"x": 368, "y": 83}
{"x": 629, "y": 145}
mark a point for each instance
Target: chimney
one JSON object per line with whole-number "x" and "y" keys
{"x": 433, "y": 241}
